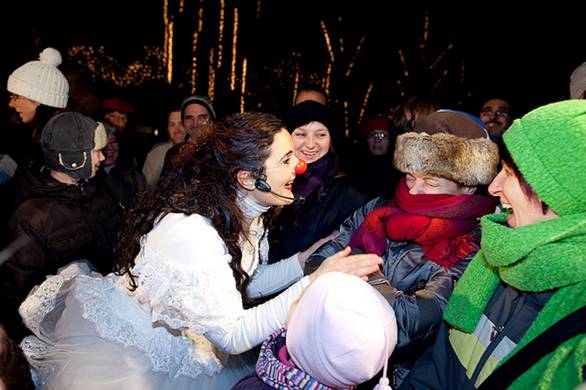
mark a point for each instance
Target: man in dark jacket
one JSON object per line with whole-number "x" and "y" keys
{"x": 62, "y": 215}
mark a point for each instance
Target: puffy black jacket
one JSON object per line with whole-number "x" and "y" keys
{"x": 55, "y": 224}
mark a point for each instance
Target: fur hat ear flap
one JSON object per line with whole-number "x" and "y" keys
{"x": 449, "y": 144}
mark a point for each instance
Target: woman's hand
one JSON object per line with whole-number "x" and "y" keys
{"x": 359, "y": 265}
{"x": 303, "y": 256}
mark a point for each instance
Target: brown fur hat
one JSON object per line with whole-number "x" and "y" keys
{"x": 448, "y": 144}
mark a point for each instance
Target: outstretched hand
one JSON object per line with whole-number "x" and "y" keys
{"x": 358, "y": 265}
{"x": 303, "y": 256}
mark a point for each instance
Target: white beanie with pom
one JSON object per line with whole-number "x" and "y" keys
{"x": 41, "y": 81}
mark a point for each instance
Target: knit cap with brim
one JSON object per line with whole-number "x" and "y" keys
{"x": 548, "y": 145}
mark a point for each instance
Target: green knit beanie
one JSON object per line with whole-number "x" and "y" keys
{"x": 549, "y": 147}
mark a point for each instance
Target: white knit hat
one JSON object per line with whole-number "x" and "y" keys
{"x": 342, "y": 331}
{"x": 41, "y": 81}
{"x": 578, "y": 81}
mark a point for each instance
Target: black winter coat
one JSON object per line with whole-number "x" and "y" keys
{"x": 54, "y": 225}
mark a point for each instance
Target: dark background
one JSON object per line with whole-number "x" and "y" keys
{"x": 525, "y": 55}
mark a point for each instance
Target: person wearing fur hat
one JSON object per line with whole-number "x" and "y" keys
{"x": 326, "y": 196}
{"x": 428, "y": 232}
{"x": 339, "y": 334}
{"x": 38, "y": 92}
{"x": 63, "y": 216}
{"x": 502, "y": 324}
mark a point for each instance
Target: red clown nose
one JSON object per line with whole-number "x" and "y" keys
{"x": 301, "y": 167}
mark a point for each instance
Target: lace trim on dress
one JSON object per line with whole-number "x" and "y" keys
{"x": 176, "y": 355}
{"x": 35, "y": 348}
{"x": 169, "y": 291}
{"x": 42, "y": 299}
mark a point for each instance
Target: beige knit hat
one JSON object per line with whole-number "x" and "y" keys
{"x": 41, "y": 81}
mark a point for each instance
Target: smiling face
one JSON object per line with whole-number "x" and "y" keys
{"x": 496, "y": 114}
{"x": 420, "y": 184}
{"x": 175, "y": 128}
{"x": 311, "y": 141}
{"x": 25, "y": 107}
{"x": 524, "y": 210}
{"x": 280, "y": 172}
{"x": 195, "y": 116}
{"x": 111, "y": 150}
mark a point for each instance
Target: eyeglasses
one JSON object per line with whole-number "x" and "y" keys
{"x": 497, "y": 113}
{"x": 379, "y": 135}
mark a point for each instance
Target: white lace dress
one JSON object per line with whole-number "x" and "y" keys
{"x": 184, "y": 327}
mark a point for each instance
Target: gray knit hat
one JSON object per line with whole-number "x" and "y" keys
{"x": 67, "y": 141}
{"x": 41, "y": 81}
{"x": 202, "y": 101}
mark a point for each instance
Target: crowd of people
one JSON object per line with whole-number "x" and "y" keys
{"x": 447, "y": 250}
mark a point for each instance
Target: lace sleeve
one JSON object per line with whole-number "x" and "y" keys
{"x": 186, "y": 279}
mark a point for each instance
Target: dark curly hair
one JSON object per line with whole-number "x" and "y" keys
{"x": 14, "y": 368}
{"x": 202, "y": 180}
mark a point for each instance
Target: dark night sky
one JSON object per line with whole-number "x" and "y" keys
{"x": 526, "y": 55}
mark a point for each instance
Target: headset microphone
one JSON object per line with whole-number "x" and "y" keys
{"x": 263, "y": 186}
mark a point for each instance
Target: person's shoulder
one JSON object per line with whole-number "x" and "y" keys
{"x": 181, "y": 227}
{"x": 159, "y": 149}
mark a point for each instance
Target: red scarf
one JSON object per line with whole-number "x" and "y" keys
{"x": 440, "y": 223}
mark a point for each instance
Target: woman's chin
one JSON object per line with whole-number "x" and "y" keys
{"x": 511, "y": 220}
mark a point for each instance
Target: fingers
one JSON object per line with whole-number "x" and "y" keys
{"x": 361, "y": 265}
{"x": 343, "y": 253}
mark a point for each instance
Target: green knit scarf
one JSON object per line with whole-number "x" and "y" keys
{"x": 537, "y": 257}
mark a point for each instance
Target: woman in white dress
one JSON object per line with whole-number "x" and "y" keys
{"x": 179, "y": 312}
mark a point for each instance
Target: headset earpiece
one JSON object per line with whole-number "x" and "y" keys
{"x": 262, "y": 185}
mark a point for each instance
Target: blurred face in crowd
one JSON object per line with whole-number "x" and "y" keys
{"x": 111, "y": 150}
{"x": 378, "y": 142}
{"x": 25, "y": 107}
{"x": 118, "y": 119}
{"x": 419, "y": 184}
{"x": 97, "y": 158}
{"x": 496, "y": 114}
{"x": 311, "y": 141}
{"x": 175, "y": 128}
{"x": 195, "y": 117}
